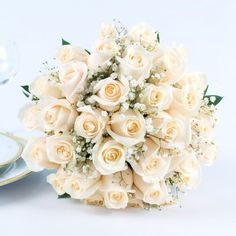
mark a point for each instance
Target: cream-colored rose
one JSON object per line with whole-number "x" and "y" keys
{"x": 44, "y": 85}
{"x": 60, "y": 149}
{"x": 57, "y": 115}
{"x": 35, "y": 155}
{"x": 68, "y": 53}
{"x": 115, "y": 189}
{"x": 207, "y": 153}
{"x": 29, "y": 116}
{"x": 143, "y": 34}
{"x": 110, "y": 93}
{"x": 173, "y": 131}
{"x": 152, "y": 165}
{"x": 186, "y": 101}
{"x": 103, "y": 51}
{"x": 152, "y": 193}
{"x": 109, "y": 156}
{"x": 108, "y": 31}
{"x": 203, "y": 125}
{"x": 190, "y": 169}
{"x": 57, "y": 181}
{"x": 136, "y": 63}
{"x": 196, "y": 81}
{"x": 127, "y": 128}
{"x": 156, "y": 97}
{"x": 90, "y": 123}
{"x": 82, "y": 187}
{"x": 169, "y": 64}
{"x": 73, "y": 78}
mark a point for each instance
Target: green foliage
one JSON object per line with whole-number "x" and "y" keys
{"x": 65, "y": 195}
{"x": 25, "y": 90}
{"x": 64, "y": 42}
{"x": 211, "y": 99}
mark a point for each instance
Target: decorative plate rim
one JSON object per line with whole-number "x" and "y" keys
{"x": 17, "y": 155}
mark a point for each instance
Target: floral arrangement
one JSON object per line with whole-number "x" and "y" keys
{"x": 124, "y": 125}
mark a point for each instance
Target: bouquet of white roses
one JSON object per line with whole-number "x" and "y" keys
{"x": 124, "y": 125}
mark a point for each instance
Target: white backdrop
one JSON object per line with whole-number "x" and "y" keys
{"x": 206, "y": 28}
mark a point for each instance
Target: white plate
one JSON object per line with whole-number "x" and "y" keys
{"x": 17, "y": 171}
{"x": 10, "y": 149}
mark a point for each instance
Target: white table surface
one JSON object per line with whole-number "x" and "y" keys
{"x": 207, "y": 29}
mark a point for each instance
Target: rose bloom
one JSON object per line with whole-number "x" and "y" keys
{"x": 103, "y": 51}
{"x": 44, "y": 85}
{"x": 90, "y": 123}
{"x": 73, "y": 78}
{"x": 186, "y": 101}
{"x": 110, "y": 93}
{"x": 29, "y": 116}
{"x": 127, "y": 128}
{"x": 196, "y": 81}
{"x": 57, "y": 115}
{"x": 152, "y": 165}
{"x": 173, "y": 131}
{"x": 116, "y": 187}
{"x": 68, "y": 53}
{"x": 190, "y": 169}
{"x": 81, "y": 187}
{"x": 57, "y": 181}
{"x": 109, "y": 156}
{"x": 152, "y": 193}
{"x": 170, "y": 64}
{"x": 208, "y": 153}
{"x": 159, "y": 97}
{"x": 108, "y": 31}
{"x": 136, "y": 63}
{"x": 60, "y": 149}
{"x": 35, "y": 155}
{"x": 143, "y": 34}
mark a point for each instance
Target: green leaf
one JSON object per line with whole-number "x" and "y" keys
{"x": 205, "y": 91}
{"x": 158, "y": 37}
{"x": 65, "y": 195}
{"x": 64, "y": 42}
{"x": 216, "y": 101}
{"x": 87, "y": 51}
{"x": 25, "y": 90}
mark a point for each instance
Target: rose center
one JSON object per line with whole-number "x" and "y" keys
{"x": 111, "y": 155}
{"x": 115, "y": 197}
{"x": 133, "y": 127}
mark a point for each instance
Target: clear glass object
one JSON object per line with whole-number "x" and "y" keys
{"x": 9, "y": 60}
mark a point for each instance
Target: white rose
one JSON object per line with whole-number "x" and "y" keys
{"x": 60, "y": 149}
{"x": 190, "y": 169}
{"x": 186, "y": 101}
{"x": 143, "y": 34}
{"x": 157, "y": 97}
{"x": 103, "y": 51}
{"x": 127, "y": 128}
{"x": 57, "y": 181}
{"x": 108, "y": 31}
{"x": 152, "y": 193}
{"x": 169, "y": 64}
{"x": 207, "y": 153}
{"x": 81, "y": 187}
{"x": 203, "y": 125}
{"x": 68, "y": 53}
{"x": 73, "y": 78}
{"x": 173, "y": 131}
{"x": 43, "y": 85}
{"x": 152, "y": 165}
{"x": 35, "y": 155}
{"x": 90, "y": 123}
{"x": 29, "y": 116}
{"x": 109, "y": 156}
{"x": 57, "y": 115}
{"x": 110, "y": 93}
{"x": 136, "y": 63}
{"x": 116, "y": 187}
{"x": 196, "y": 81}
